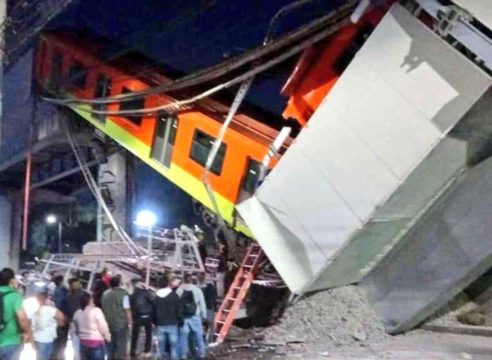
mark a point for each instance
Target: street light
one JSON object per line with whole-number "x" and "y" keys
{"x": 52, "y": 219}
{"x": 147, "y": 218}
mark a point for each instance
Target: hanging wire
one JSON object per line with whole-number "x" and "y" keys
{"x": 177, "y": 105}
{"x": 93, "y": 187}
{"x": 225, "y": 67}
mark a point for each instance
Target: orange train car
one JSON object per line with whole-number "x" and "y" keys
{"x": 321, "y": 65}
{"x": 177, "y": 145}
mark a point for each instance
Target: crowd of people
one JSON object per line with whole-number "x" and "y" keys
{"x": 101, "y": 323}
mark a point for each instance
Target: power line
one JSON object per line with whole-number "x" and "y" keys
{"x": 253, "y": 72}
{"x": 223, "y": 68}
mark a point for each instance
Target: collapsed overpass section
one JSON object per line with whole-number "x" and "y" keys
{"x": 373, "y": 157}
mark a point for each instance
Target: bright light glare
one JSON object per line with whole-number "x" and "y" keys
{"x": 51, "y": 219}
{"x": 146, "y": 218}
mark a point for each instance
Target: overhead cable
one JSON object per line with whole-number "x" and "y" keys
{"x": 93, "y": 187}
{"x": 225, "y": 67}
{"x": 237, "y": 80}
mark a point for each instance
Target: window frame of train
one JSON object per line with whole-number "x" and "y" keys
{"x": 203, "y": 140}
{"x": 77, "y": 74}
{"x": 250, "y": 179}
{"x": 166, "y": 128}
{"x": 103, "y": 89}
{"x": 56, "y": 70}
{"x": 252, "y": 175}
{"x": 135, "y": 104}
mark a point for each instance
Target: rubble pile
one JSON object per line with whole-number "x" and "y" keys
{"x": 451, "y": 313}
{"x": 339, "y": 317}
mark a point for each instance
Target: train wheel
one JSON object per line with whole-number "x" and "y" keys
{"x": 196, "y": 207}
{"x": 209, "y": 219}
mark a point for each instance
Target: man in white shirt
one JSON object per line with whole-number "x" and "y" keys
{"x": 44, "y": 323}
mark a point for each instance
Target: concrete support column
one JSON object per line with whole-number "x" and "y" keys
{"x": 112, "y": 177}
{"x": 6, "y": 247}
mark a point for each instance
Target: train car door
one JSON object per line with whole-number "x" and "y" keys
{"x": 103, "y": 89}
{"x": 164, "y": 137}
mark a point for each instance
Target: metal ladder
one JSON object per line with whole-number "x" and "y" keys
{"x": 237, "y": 292}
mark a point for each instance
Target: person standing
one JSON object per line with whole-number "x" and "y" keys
{"x": 210, "y": 295}
{"x": 73, "y": 302}
{"x": 92, "y": 329}
{"x": 142, "y": 306}
{"x": 168, "y": 317}
{"x": 98, "y": 289}
{"x": 60, "y": 298}
{"x": 195, "y": 313}
{"x": 116, "y": 308}
{"x": 223, "y": 256}
{"x": 15, "y": 327}
{"x": 44, "y": 323}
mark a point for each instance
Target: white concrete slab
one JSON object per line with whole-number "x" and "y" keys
{"x": 395, "y": 102}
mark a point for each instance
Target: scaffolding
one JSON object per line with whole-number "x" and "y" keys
{"x": 169, "y": 251}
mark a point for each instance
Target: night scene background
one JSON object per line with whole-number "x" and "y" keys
{"x": 186, "y": 36}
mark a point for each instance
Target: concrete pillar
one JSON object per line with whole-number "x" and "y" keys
{"x": 5, "y": 231}
{"x": 112, "y": 180}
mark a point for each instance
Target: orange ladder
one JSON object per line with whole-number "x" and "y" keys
{"x": 237, "y": 292}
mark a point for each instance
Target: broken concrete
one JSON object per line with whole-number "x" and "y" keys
{"x": 339, "y": 317}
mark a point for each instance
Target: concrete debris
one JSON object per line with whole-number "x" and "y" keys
{"x": 339, "y": 317}
{"x": 450, "y": 314}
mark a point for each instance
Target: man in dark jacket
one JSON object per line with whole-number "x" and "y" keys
{"x": 168, "y": 316}
{"x": 75, "y": 294}
{"x": 116, "y": 309}
{"x": 60, "y": 298}
{"x": 142, "y": 305}
{"x": 210, "y": 295}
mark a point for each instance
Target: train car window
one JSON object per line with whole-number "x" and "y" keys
{"x": 135, "y": 104}
{"x": 77, "y": 74}
{"x": 200, "y": 148}
{"x": 252, "y": 175}
{"x": 103, "y": 89}
{"x": 56, "y": 70}
{"x": 164, "y": 137}
{"x": 346, "y": 57}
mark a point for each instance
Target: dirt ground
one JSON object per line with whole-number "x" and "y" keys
{"x": 416, "y": 345}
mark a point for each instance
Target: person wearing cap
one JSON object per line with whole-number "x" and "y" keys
{"x": 168, "y": 316}
{"x": 44, "y": 321}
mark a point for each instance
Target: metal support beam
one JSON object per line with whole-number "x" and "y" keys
{"x": 456, "y": 22}
{"x": 60, "y": 176}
